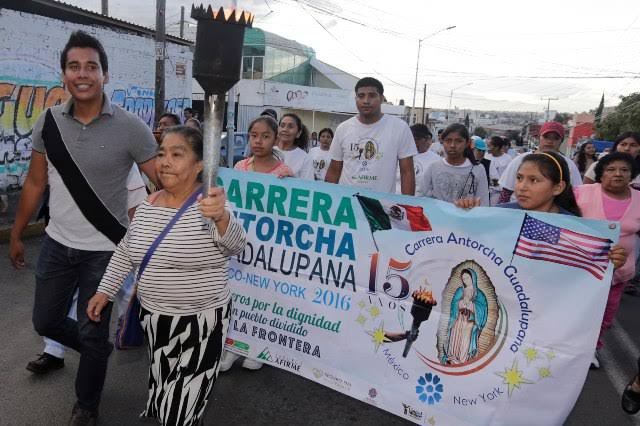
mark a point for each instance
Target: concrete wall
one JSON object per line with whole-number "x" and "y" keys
{"x": 30, "y": 81}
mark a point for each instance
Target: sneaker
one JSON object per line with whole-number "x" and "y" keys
{"x": 632, "y": 288}
{"x": 630, "y": 400}
{"x": 82, "y": 417}
{"x": 228, "y": 358}
{"x": 45, "y": 363}
{"x": 595, "y": 362}
{"x": 251, "y": 364}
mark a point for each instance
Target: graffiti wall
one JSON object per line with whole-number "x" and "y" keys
{"x": 30, "y": 82}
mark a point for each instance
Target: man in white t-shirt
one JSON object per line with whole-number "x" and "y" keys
{"x": 499, "y": 161}
{"x": 551, "y": 136}
{"x": 422, "y": 137}
{"x": 436, "y": 146}
{"x": 367, "y": 148}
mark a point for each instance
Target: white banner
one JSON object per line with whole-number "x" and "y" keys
{"x": 487, "y": 316}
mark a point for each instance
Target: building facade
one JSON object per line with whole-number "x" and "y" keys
{"x": 286, "y": 76}
{"x": 32, "y": 35}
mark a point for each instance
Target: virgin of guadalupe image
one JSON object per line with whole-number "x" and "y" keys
{"x": 468, "y": 313}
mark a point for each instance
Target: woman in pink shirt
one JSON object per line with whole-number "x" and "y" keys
{"x": 611, "y": 198}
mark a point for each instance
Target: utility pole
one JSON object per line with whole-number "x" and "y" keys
{"x": 181, "y": 21}
{"x": 424, "y": 102}
{"x": 231, "y": 114}
{"x": 160, "y": 53}
{"x": 547, "y": 118}
{"x": 105, "y": 7}
{"x": 415, "y": 83}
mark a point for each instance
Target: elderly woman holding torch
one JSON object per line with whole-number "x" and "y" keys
{"x": 180, "y": 243}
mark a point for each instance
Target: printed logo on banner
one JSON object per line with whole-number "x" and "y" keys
{"x": 265, "y": 355}
{"x": 280, "y": 360}
{"x": 412, "y": 412}
{"x": 318, "y": 373}
{"x": 331, "y": 379}
{"x": 238, "y": 345}
{"x": 429, "y": 389}
{"x": 371, "y": 396}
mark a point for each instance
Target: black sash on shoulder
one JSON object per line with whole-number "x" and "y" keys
{"x": 87, "y": 200}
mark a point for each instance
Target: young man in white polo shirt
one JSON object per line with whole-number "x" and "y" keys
{"x": 368, "y": 148}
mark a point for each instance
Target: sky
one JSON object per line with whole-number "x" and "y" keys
{"x": 501, "y": 55}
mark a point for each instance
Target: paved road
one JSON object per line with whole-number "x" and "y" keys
{"x": 265, "y": 397}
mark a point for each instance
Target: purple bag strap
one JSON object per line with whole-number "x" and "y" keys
{"x": 145, "y": 260}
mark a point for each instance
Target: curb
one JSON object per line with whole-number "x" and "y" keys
{"x": 32, "y": 230}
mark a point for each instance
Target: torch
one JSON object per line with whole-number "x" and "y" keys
{"x": 423, "y": 302}
{"x": 216, "y": 67}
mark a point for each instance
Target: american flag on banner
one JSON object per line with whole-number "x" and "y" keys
{"x": 539, "y": 240}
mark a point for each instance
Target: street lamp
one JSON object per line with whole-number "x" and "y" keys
{"x": 415, "y": 84}
{"x": 451, "y": 97}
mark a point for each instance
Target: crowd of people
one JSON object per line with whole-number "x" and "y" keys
{"x": 106, "y": 239}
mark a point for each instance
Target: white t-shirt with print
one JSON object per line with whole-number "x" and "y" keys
{"x": 500, "y": 163}
{"x": 497, "y": 168}
{"x": 437, "y": 148}
{"x": 298, "y": 161}
{"x": 321, "y": 160}
{"x": 420, "y": 163}
{"x": 370, "y": 152}
{"x": 508, "y": 178}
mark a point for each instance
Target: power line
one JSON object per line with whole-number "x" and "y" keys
{"x": 344, "y": 46}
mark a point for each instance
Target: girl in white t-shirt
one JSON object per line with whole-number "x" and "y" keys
{"x": 293, "y": 138}
{"x": 320, "y": 155}
{"x": 458, "y": 175}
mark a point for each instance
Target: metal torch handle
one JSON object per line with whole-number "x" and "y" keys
{"x": 213, "y": 119}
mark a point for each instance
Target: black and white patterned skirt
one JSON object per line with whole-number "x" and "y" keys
{"x": 184, "y": 354}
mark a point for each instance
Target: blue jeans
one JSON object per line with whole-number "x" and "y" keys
{"x": 54, "y": 348}
{"x": 123, "y": 297}
{"x": 60, "y": 271}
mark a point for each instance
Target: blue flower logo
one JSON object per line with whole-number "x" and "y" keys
{"x": 429, "y": 389}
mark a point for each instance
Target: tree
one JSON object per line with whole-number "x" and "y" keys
{"x": 481, "y": 131}
{"x": 562, "y": 117}
{"x": 624, "y": 118}
{"x": 599, "y": 111}
{"x": 466, "y": 121}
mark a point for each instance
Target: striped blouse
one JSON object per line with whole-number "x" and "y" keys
{"x": 188, "y": 271}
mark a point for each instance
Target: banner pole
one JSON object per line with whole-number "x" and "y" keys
{"x": 513, "y": 253}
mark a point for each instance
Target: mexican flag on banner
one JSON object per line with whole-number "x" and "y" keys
{"x": 383, "y": 215}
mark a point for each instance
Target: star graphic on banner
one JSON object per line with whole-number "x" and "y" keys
{"x": 551, "y": 355}
{"x": 362, "y": 304}
{"x": 361, "y": 319}
{"x": 512, "y": 377}
{"x": 374, "y": 311}
{"x": 544, "y": 372}
{"x": 378, "y": 336}
{"x": 531, "y": 354}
